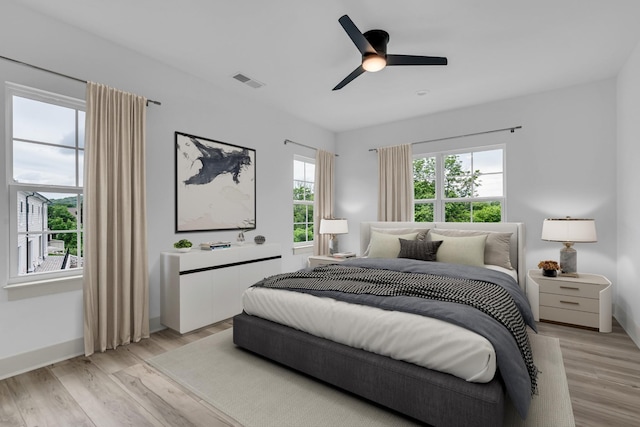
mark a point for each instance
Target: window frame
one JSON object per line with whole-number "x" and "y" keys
{"x": 440, "y": 200}
{"x": 15, "y": 280}
{"x": 307, "y": 243}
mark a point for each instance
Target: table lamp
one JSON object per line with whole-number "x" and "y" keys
{"x": 333, "y": 227}
{"x": 569, "y": 231}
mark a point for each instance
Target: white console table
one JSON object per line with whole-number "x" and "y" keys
{"x": 199, "y": 287}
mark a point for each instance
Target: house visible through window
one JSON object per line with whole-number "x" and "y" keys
{"x": 460, "y": 186}
{"x": 304, "y": 170}
{"x": 46, "y": 146}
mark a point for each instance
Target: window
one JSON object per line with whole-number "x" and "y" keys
{"x": 460, "y": 186}
{"x": 304, "y": 172}
{"x": 45, "y": 164}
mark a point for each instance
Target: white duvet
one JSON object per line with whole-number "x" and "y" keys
{"x": 421, "y": 340}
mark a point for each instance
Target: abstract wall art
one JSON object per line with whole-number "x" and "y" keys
{"x": 215, "y": 185}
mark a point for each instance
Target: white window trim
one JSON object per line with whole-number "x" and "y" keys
{"x": 439, "y": 201}
{"x": 33, "y": 285}
{"x": 301, "y": 248}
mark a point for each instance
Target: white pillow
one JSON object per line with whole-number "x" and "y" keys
{"x": 384, "y": 245}
{"x": 461, "y": 250}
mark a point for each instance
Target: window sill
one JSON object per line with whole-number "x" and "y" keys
{"x": 37, "y": 288}
{"x": 303, "y": 250}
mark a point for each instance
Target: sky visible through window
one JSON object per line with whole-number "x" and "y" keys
{"x": 53, "y": 164}
{"x": 490, "y": 165}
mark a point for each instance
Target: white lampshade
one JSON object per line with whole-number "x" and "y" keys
{"x": 569, "y": 230}
{"x": 333, "y": 226}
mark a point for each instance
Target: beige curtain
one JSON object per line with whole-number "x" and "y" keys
{"x": 116, "y": 288}
{"x": 323, "y": 199}
{"x": 395, "y": 184}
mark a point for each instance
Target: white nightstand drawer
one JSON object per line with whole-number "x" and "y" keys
{"x": 570, "y": 302}
{"x": 582, "y": 290}
{"x": 591, "y": 320}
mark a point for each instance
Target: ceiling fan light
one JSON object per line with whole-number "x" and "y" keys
{"x": 373, "y": 63}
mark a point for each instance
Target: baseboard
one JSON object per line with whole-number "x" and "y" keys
{"x": 630, "y": 327}
{"x": 155, "y": 325}
{"x": 25, "y": 362}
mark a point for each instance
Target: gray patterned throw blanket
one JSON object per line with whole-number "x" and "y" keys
{"x": 385, "y": 285}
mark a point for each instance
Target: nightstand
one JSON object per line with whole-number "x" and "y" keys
{"x": 580, "y": 301}
{"x": 318, "y": 260}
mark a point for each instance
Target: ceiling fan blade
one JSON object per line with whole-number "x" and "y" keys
{"x": 355, "y": 73}
{"x": 356, "y": 36}
{"x": 415, "y": 60}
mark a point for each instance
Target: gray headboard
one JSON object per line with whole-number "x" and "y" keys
{"x": 517, "y": 248}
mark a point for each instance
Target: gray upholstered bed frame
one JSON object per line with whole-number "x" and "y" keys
{"x": 429, "y": 396}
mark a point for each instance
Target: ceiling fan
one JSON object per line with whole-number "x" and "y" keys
{"x": 373, "y": 47}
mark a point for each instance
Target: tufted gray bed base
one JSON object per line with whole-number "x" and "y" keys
{"x": 429, "y": 396}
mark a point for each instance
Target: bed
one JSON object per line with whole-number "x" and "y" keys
{"x": 363, "y": 360}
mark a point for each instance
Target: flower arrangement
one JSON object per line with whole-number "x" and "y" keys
{"x": 549, "y": 265}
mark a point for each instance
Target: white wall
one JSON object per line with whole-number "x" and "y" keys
{"x": 562, "y": 162}
{"x": 628, "y": 298}
{"x": 188, "y": 105}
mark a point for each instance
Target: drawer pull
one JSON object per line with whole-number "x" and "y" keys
{"x": 570, "y": 302}
{"x": 570, "y": 287}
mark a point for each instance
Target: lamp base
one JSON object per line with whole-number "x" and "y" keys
{"x": 568, "y": 260}
{"x": 333, "y": 245}
{"x": 568, "y": 275}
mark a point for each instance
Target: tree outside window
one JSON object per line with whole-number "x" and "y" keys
{"x": 472, "y": 186}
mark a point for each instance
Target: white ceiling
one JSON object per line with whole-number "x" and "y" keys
{"x": 496, "y": 48}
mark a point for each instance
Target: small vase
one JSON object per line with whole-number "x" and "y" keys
{"x": 550, "y": 273}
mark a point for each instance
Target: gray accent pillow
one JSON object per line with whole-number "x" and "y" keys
{"x": 419, "y": 249}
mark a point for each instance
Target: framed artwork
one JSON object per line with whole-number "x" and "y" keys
{"x": 215, "y": 185}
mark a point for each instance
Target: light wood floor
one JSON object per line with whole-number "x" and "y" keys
{"x": 118, "y": 388}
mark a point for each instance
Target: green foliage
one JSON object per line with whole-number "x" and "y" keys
{"x": 182, "y": 243}
{"x": 424, "y": 182}
{"x": 70, "y": 202}
{"x": 59, "y": 218}
{"x": 458, "y": 182}
{"x": 303, "y": 191}
{"x": 302, "y": 223}
{"x": 457, "y": 212}
{"x": 423, "y": 212}
{"x": 303, "y": 232}
{"x": 487, "y": 212}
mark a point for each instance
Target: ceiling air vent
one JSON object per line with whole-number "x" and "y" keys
{"x": 248, "y": 81}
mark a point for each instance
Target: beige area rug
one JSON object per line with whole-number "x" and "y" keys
{"x": 259, "y": 393}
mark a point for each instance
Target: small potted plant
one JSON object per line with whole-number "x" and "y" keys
{"x": 183, "y": 245}
{"x": 549, "y": 268}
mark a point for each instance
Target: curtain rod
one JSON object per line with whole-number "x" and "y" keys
{"x": 149, "y": 101}
{"x": 511, "y": 129}
{"x": 288, "y": 141}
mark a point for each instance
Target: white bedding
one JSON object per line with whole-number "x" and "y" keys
{"x": 424, "y": 341}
